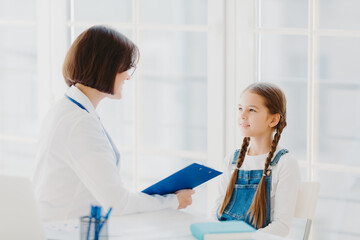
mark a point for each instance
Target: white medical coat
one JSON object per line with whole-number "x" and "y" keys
{"x": 76, "y": 166}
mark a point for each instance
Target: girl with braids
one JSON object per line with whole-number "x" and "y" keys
{"x": 263, "y": 186}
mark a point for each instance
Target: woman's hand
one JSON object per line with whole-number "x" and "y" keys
{"x": 184, "y": 197}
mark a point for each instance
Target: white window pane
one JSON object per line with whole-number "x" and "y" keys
{"x": 284, "y": 13}
{"x": 284, "y": 57}
{"x": 339, "y": 124}
{"x": 173, "y": 53}
{"x": 173, "y": 11}
{"x": 339, "y": 14}
{"x": 17, "y": 158}
{"x": 173, "y": 115}
{"x": 103, "y": 11}
{"x": 338, "y": 60}
{"x": 18, "y": 73}
{"x": 18, "y": 10}
{"x": 338, "y": 207}
{"x": 339, "y": 99}
{"x": 173, "y": 91}
{"x": 283, "y": 61}
{"x": 79, "y": 30}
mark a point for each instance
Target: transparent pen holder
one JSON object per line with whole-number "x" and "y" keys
{"x": 91, "y": 229}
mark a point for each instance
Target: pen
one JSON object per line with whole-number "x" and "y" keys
{"x": 97, "y": 222}
{"x": 105, "y": 219}
{"x": 92, "y": 214}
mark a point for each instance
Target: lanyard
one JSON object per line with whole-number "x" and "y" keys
{"x": 117, "y": 154}
{"x": 77, "y": 103}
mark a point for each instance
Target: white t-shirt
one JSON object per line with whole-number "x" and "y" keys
{"x": 284, "y": 188}
{"x": 76, "y": 166}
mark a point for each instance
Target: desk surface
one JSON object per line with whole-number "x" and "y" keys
{"x": 159, "y": 225}
{"x": 164, "y": 224}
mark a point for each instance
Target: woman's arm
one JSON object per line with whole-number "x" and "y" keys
{"x": 93, "y": 161}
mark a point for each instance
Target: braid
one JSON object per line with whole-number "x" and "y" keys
{"x": 230, "y": 187}
{"x": 243, "y": 151}
{"x": 258, "y": 206}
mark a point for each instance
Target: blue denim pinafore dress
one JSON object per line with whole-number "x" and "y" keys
{"x": 245, "y": 189}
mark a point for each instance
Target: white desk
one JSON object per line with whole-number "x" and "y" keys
{"x": 160, "y": 225}
{"x": 164, "y": 224}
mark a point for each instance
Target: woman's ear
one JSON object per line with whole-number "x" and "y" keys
{"x": 275, "y": 118}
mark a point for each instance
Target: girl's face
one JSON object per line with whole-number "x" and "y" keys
{"x": 254, "y": 118}
{"x": 118, "y": 84}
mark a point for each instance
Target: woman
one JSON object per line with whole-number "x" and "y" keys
{"x": 77, "y": 162}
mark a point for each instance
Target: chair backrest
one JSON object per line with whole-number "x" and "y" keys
{"x": 306, "y": 203}
{"x": 19, "y": 214}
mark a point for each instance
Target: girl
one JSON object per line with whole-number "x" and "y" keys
{"x": 77, "y": 162}
{"x": 262, "y": 190}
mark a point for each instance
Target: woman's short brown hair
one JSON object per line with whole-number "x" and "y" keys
{"x": 96, "y": 56}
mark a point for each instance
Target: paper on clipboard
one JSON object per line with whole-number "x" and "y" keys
{"x": 186, "y": 178}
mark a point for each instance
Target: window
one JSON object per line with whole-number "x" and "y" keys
{"x": 18, "y": 78}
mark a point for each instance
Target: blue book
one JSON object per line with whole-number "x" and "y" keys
{"x": 186, "y": 178}
{"x": 222, "y": 230}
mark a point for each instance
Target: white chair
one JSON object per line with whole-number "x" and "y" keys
{"x": 306, "y": 204}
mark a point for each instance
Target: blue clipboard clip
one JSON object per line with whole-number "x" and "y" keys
{"x": 186, "y": 178}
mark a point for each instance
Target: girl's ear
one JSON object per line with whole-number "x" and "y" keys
{"x": 275, "y": 118}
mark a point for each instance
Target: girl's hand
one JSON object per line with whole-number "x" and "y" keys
{"x": 184, "y": 197}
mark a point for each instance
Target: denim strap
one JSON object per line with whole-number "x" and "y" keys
{"x": 274, "y": 162}
{"x": 277, "y": 157}
{"x": 236, "y": 156}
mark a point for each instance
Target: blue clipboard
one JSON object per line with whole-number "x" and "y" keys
{"x": 186, "y": 178}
